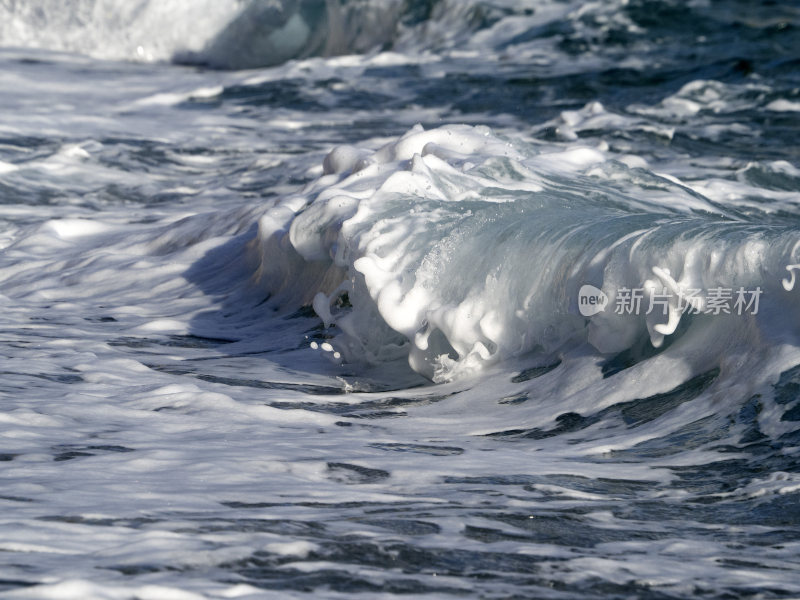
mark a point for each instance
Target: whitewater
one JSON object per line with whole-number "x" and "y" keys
{"x": 399, "y": 299}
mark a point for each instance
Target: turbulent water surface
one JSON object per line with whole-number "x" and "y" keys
{"x": 421, "y": 299}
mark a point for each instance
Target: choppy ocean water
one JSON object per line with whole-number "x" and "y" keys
{"x": 399, "y": 299}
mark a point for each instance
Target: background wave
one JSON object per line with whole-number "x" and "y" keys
{"x": 226, "y": 34}
{"x": 253, "y": 33}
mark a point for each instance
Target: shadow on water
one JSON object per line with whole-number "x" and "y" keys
{"x": 248, "y": 324}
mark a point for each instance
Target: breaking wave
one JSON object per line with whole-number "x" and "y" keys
{"x": 460, "y": 249}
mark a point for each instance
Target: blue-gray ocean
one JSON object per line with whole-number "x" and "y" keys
{"x": 424, "y": 299}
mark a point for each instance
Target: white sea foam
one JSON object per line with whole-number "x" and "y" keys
{"x": 784, "y": 106}
{"x": 229, "y": 34}
{"x": 431, "y": 236}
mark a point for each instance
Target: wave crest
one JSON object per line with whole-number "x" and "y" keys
{"x": 231, "y": 34}
{"x": 458, "y": 249}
